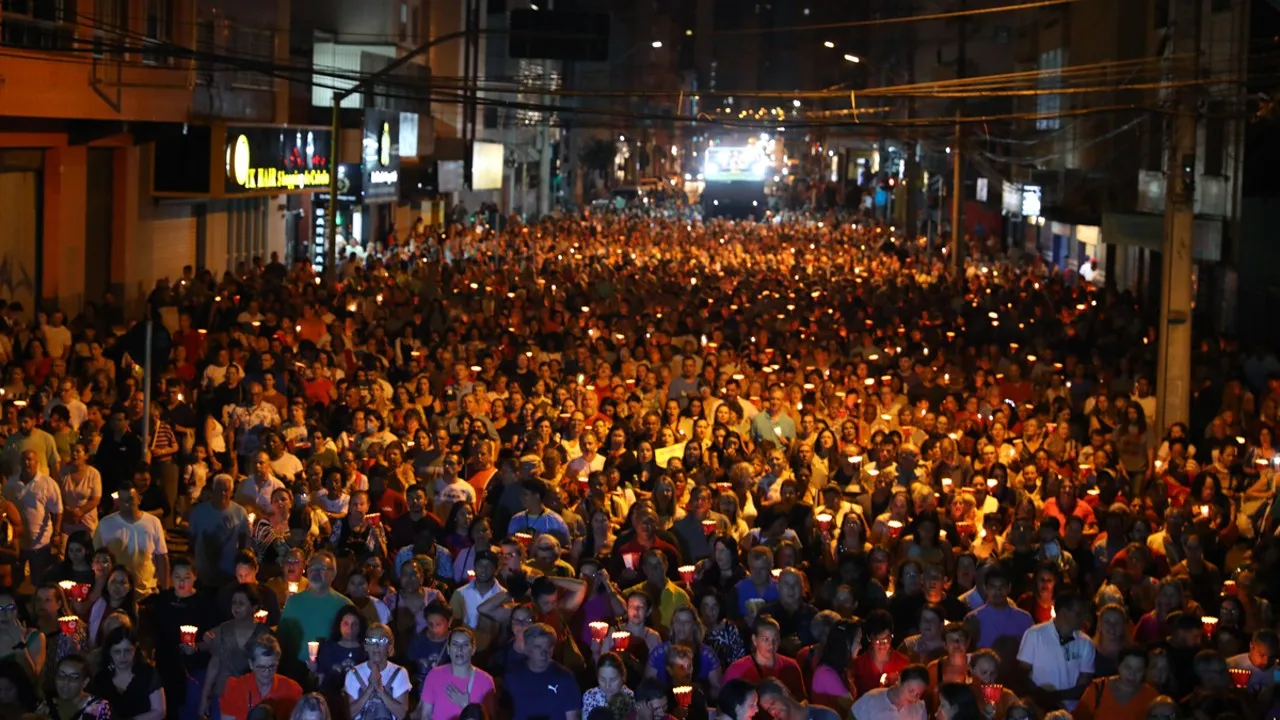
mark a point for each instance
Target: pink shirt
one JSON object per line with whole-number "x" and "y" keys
{"x": 829, "y": 688}
{"x": 442, "y": 708}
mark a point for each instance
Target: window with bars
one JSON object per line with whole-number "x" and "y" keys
{"x": 38, "y": 24}
{"x": 1048, "y": 104}
{"x": 158, "y": 32}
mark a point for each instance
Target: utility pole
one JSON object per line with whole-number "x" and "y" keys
{"x": 335, "y": 146}
{"x": 1173, "y": 386}
{"x": 544, "y": 139}
{"x": 957, "y": 175}
{"x": 957, "y": 184}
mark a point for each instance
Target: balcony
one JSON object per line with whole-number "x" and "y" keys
{"x": 59, "y": 62}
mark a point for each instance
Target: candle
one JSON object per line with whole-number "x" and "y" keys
{"x": 992, "y": 482}
{"x": 1228, "y": 587}
{"x": 621, "y": 639}
{"x": 709, "y": 527}
{"x": 884, "y": 679}
{"x": 630, "y": 559}
{"x": 824, "y": 521}
{"x": 471, "y": 575}
{"x": 1204, "y": 511}
{"x": 946, "y": 483}
{"x": 375, "y": 519}
{"x": 991, "y": 693}
{"x": 895, "y": 528}
{"x": 68, "y": 624}
{"x": 776, "y": 572}
{"x": 684, "y": 695}
{"x": 188, "y": 635}
{"x": 524, "y": 539}
{"x": 313, "y": 649}
{"x": 293, "y": 588}
{"x": 1209, "y": 623}
{"x": 686, "y": 574}
{"x": 1240, "y": 676}
{"x": 599, "y": 630}
{"x": 260, "y": 616}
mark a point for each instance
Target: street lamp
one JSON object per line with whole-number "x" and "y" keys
{"x": 853, "y": 58}
{"x": 656, "y": 44}
{"x": 828, "y": 44}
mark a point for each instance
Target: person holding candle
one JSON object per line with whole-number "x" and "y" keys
{"x": 686, "y": 631}
{"x": 227, "y": 643}
{"x": 309, "y": 614}
{"x": 181, "y": 666}
{"x": 831, "y": 684}
{"x": 879, "y": 667}
{"x": 450, "y": 688}
{"x": 691, "y": 532}
{"x": 262, "y": 685}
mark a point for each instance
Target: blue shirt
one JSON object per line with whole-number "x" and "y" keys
{"x": 766, "y": 427}
{"x": 705, "y": 664}
{"x": 746, "y": 590}
{"x": 217, "y": 536}
{"x": 548, "y": 522}
{"x": 551, "y": 694}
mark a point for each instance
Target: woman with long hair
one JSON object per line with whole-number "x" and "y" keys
{"x": 226, "y": 646}
{"x": 48, "y": 606}
{"x": 831, "y": 685}
{"x": 450, "y": 688}
{"x": 120, "y": 593}
{"x": 129, "y": 683}
{"x": 723, "y": 570}
{"x": 611, "y": 691}
{"x": 77, "y": 560}
{"x": 1111, "y": 635}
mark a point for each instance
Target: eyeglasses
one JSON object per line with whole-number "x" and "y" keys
{"x": 8, "y": 608}
{"x": 270, "y": 667}
{"x": 460, "y": 646}
{"x": 70, "y": 676}
{"x": 377, "y": 641}
{"x": 521, "y": 621}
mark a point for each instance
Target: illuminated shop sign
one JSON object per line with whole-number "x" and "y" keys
{"x": 276, "y": 159}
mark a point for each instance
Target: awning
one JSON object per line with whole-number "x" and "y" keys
{"x": 1147, "y": 231}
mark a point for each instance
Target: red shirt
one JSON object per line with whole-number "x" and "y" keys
{"x": 784, "y": 670}
{"x": 317, "y": 390}
{"x": 240, "y": 695}
{"x": 866, "y": 676}
{"x": 392, "y": 505}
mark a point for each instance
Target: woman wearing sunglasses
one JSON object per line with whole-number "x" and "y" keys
{"x": 72, "y": 700}
{"x": 378, "y": 689}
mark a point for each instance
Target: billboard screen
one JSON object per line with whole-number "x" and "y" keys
{"x": 736, "y": 163}
{"x": 486, "y": 166}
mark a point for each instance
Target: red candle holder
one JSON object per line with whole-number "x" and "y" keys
{"x": 598, "y": 630}
{"x": 631, "y": 560}
{"x": 895, "y": 529}
{"x": 709, "y": 527}
{"x": 1240, "y": 676}
{"x": 68, "y": 624}
{"x": 80, "y": 592}
{"x": 621, "y": 640}
{"x": 684, "y": 695}
{"x": 188, "y": 635}
{"x": 991, "y": 693}
{"x": 686, "y": 574}
{"x": 1228, "y": 587}
{"x": 524, "y": 539}
{"x": 824, "y": 521}
{"x": 1209, "y": 624}
{"x": 261, "y": 616}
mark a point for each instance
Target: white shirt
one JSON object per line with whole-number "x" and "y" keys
{"x": 258, "y": 493}
{"x": 79, "y": 411}
{"x": 457, "y": 491}
{"x": 472, "y": 596}
{"x": 288, "y": 465}
{"x": 875, "y": 705}
{"x": 37, "y": 501}
{"x": 56, "y": 340}
{"x": 134, "y": 545}
{"x": 580, "y": 465}
{"x": 1052, "y": 663}
{"x": 399, "y": 687}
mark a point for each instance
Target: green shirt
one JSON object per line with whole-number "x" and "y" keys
{"x": 306, "y": 618}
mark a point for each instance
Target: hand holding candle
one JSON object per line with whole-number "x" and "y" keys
{"x": 188, "y": 635}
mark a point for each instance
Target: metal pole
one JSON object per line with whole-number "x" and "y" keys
{"x": 956, "y": 183}
{"x": 544, "y": 141}
{"x": 146, "y": 389}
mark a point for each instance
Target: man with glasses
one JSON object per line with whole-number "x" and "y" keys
{"x": 67, "y": 397}
{"x": 308, "y": 615}
{"x": 262, "y": 685}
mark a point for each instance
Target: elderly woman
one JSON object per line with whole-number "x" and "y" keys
{"x": 227, "y": 643}
{"x": 378, "y": 689}
{"x": 262, "y": 685}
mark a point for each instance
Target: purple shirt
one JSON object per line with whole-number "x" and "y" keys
{"x": 996, "y": 623}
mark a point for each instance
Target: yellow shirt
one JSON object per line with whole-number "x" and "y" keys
{"x": 672, "y": 598}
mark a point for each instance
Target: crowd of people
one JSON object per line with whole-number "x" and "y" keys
{"x": 618, "y": 467}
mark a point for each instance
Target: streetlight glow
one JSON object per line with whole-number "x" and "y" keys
{"x": 828, "y": 44}
{"x": 657, "y": 44}
{"x": 853, "y": 58}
